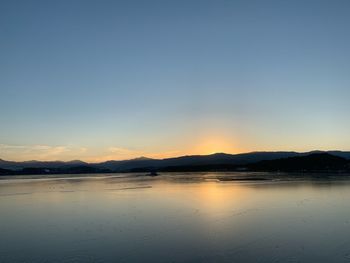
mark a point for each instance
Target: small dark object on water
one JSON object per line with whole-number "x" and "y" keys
{"x": 153, "y": 173}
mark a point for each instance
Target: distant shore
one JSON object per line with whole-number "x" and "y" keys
{"x": 315, "y": 162}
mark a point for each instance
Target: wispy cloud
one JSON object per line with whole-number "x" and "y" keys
{"x": 30, "y": 152}
{"x": 122, "y": 151}
{"x": 65, "y": 153}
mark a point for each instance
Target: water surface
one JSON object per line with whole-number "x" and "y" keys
{"x": 175, "y": 218}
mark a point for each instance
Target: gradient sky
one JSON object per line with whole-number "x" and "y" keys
{"x": 97, "y": 80}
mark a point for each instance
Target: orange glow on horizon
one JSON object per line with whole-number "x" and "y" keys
{"x": 214, "y": 144}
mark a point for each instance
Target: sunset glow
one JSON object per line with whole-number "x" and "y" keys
{"x": 214, "y": 144}
{"x": 161, "y": 79}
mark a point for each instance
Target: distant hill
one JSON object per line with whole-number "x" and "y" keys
{"x": 312, "y": 162}
{"x": 213, "y": 162}
{"x": 5, "y": 171}
{"x": 196, "y": 160}
{"x": 38, "y": 164}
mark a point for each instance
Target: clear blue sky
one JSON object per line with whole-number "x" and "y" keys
{"x": 99, "y": 80}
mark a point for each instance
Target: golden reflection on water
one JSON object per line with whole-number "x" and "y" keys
{"x": 217, "y": 197}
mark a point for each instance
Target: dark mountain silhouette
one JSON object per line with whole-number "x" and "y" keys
{"x": 274, "y": 161}
{"x": 345, "y": 155}
{"x": 127, "y": 164}
{"x": 5, "y": 171}
{"x": 218, "y": 159}
{"x": 39, "y": 164}
{"x": 195, "y": 160}
{"x": 312, "y": 162}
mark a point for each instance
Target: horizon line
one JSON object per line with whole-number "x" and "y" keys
{"x": 179, "y": 156}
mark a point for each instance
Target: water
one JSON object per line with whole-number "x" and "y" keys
{"x": 175, "y": 218}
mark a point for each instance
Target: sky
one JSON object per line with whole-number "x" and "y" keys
{"x": 101, "y": 80}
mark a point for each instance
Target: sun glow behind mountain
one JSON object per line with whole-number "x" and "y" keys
{"x": 214, "y": 144}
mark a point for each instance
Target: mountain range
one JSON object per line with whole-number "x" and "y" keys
{"x": 217, "y": 161}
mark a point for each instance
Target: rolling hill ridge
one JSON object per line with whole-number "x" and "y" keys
{"x": 317, "y": 160}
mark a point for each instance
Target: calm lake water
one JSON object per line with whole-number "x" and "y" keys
{"x": 175, "y": 218}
